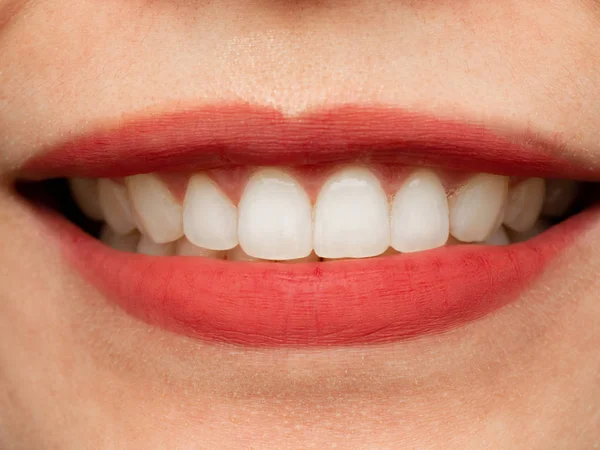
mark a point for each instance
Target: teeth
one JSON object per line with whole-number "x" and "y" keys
{"x": 116, "y": 206}
{"x": 525, "y": 202}
{"x": 560, "y": 195}
{"x": 147, "y": 246}
{"x": 186, "y": 248}
{"x": 352, "y": 218}
{"x": 210, "y": 220}
{"x": 310, "y": 258}
{"x": 478, "y": 207}
{"x": 158, "y": 211}
{"x": 237, "y": 254}
{"x": 123, "y": 242}
{"x": 499, "y": 238}
{"x": 420, "y": 214}
{"x": 539, "y": 227}
{"x": 275, "y": 218}
{"x": 85, "y": 194}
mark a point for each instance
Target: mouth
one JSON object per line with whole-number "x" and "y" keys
{"x": 347, "y": 226}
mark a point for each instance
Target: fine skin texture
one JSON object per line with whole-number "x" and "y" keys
{"x": 77, "y": 372}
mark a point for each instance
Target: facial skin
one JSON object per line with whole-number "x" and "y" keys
{"x": 76, "y": 372}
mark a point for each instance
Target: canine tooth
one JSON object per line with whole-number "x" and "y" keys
{"x": 147, "y": 246}
{"x": 539, "y": 227}
{"x": 123, "y": 242}
{"x": 560, "y": 195}
{"x": 210, "y": 220}
{"x": 159, "y": 213}
{"x": 85, "y": 194}
{"x": 524, "y": 204}
{"x": 420, "y": 214}
{"x": 477, "y": 208}
{"x": 352, "y": 218}
{"x": 186, "y": 248}
{"x": 116, "y": 206}
{"x": 499, "y": 238}
{"x": 237, "y": 254}
{"x": 275, "y": 217}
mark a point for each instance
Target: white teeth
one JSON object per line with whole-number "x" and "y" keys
{"x": 186, "y": 248}
{"x": 147, "y": 246}
{"x": 158, "y": 211}
{"x": 237, "y": 254}
{"x": 477, "y": 208}
{"x": 85, "y": 194}
{"x": 352, "y": 216}
{"x": 560, "y": 195}
{"x": 499, "y": 238}
{"x": 123, "y": 242}
{"x": 310, "y": 258}
{"x": 539, "y": 227}
{"x": 524, "y": 205}
{"x": 420, "y": 214}
{"x": 275, "y": 217}
{"x": 209, "y": 217}
{"x": 116, "y": 206}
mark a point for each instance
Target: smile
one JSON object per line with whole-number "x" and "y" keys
{"x": 349, "y": 226}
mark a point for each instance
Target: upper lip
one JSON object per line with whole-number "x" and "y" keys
{"x": 214, "y": 136}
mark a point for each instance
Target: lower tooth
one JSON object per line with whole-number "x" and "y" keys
{"x": 539, "y": 227}
{"x": 147, "y": 246}
{"x": 237, "y": 254}
{"x": 186, "y": 248}
{"x": 122, "y": 242}
{"x": 499, "y": 238}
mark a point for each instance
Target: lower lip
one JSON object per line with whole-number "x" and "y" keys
{"x": 316, "y": 304}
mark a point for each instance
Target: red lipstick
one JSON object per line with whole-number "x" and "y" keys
{"x": 336, "y": 303}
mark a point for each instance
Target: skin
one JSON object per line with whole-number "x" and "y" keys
{"x": 75, "y": 372}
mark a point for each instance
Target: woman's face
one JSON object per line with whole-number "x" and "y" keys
{"x": 492, "y": 348}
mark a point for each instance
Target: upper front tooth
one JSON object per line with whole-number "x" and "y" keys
{"x": 525, "y": 202}
{"x": 477, "y": 208}
{"x": 85, "y": 194}
{"x": 420, "y": 214}
{"x": 209, "y": 217}
{"x": 559, "y": 197}
{"x": 116, "y": 206}
{"x": 158, "y": 211}
{"x": 352, "y": 217}
{"x": 275, "y": 217}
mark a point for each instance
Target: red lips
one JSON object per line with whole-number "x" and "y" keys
{"x": 345, "y": 302}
